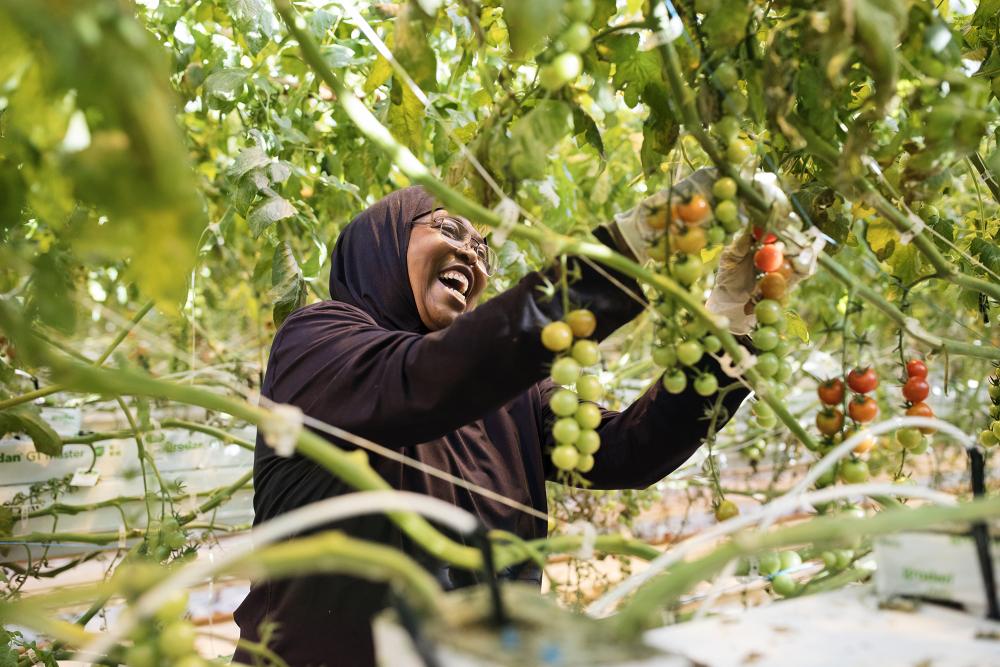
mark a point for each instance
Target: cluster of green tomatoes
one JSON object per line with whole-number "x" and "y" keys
{"x": 566, "y": 65}
{"x": 574, "y": 404}
{"x": 991, "y": 437}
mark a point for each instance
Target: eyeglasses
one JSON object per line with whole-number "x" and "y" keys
{"x": 459, "y": 235}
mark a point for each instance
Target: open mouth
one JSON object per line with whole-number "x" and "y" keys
{"x": 456, "y": 282}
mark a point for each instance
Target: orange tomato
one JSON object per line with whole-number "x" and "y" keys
{"x": 921, "y": 410}
{"x": 694, "y": 211}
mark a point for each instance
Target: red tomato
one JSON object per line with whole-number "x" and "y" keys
{"x": 758, "y": 232}
{"x": 863, "y": 409}
{"x": 921, "y": 410}
{"x": 916, "y": 389}
{"x": 694, "y": 210}
{"x": 862, "y": 380}
{"x": 831, "y": 392}
{"x": 829, "y": 421}
{"x": 768, "y": 259}
{"x": 915, "y": 368}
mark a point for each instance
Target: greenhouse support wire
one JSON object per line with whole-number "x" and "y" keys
{"x": 283, "y": 526}
{"x": 768, "y": 513}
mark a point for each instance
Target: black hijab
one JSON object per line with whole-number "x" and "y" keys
{"x": 368, "y": 265}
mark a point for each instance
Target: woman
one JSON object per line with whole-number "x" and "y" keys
{"x": 402, "y": 355}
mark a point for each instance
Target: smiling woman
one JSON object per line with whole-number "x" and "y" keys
{"x": 402, "y": 354}
{"x": 448, "y": 264}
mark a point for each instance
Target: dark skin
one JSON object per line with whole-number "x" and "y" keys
{"x": 429, "y": 256}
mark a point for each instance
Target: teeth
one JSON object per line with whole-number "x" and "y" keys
{"x": 459, "y": 278}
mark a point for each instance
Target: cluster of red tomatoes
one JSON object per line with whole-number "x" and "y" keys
{"x": 574, "y": 404}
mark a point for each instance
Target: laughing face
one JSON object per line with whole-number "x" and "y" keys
{"x": 446, "y": 278}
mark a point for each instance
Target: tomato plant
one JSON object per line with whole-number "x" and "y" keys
{"x": 173, "y": 177}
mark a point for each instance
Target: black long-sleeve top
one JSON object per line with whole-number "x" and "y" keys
{"x": 470, "y": 399}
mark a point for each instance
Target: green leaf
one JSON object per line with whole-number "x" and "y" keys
{"x": 659, "y": 135}
{"x": 412, "y": 50}
{"x": 406, "y": 118}
{"x": 288, "y": 289}
{"x": 25, "y": 419}
{"x": 529, "y": 22}
{"x": 632, "y": 75}
{"x": 797, "y": 326}
{"x": 226, "y": 85}
{"x": 249, "y": 159}
{"x": 380, "y": 73}
{"x": 583, "y": 123}
{"x": 254, "y": 16}
{"x": 987, "y": 252}
{"x": 726, "y": 25}
{"x": 906, "y": 263}
{"x": 535, "y": 134}
{"x": 986, "y": 10}
{"x": 269, "y": 212}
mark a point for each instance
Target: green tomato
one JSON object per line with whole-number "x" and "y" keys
{"x": 665, "y": 357}
{"x": 727, "y": 129}
{"x": 706, "y": 384}
{"x": 586, "y": 353}
{"x": 711, "y": 343}
{"x": 987, "y": 439}
{"x": 588, "y": 442}
{"x": 666, "y": 308}
{"x": 177, "y": 639}
{"x": 569, "y": 66}
{"x": 696, "y": 328}
{"x": 689, "y": 270}
{"x": 565, "y": 371}
{"x": 844, "y": 558}
{"x": 550, "y": 79}
{"x": 689, "y": 352}
{"x": 767, "y": 364}
{"x": 141, "y": 655}
{"x": 766, "y": 338}
{"x": 563, "y": 403}
{"x": 994, "y": 391}
{"x": 768, "y": 311}
{"x": 586, "y": 463}
{"x": 557, "y": 336}
{"x": 753, "y": 453}
{"x": 735, "y": 103}
{"x": 724, "y": 188}
{"x": 829, "y": 559}
{"x": 726, "y": 75}
{"x": 579, "y": 10}
{"x": 784, "y": 373}
{"x": 589, "y": 388}
{"x": 576, "y": 39}
{"x": 566, "y": 430}
{"x": 827, "y": 478}
{"x": 790, "y": 559}
{"x": 716, "y": 235}
{"x": 768, "y": 563}
{"x": 675, "y": 382}
{"x": 909, "y": 438}
{"x": 761, "y": 409}
{"x": 173, "y": 608}
{"x": 784, "y": 585}
{"x": 565, "y": 457}
{"x": 726, "y": 212}
{"x": 995, "y": 427}
{"x": 854, "y": 471}
{"x": 588, "y": 416}
{"x": 738, "y": 151}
